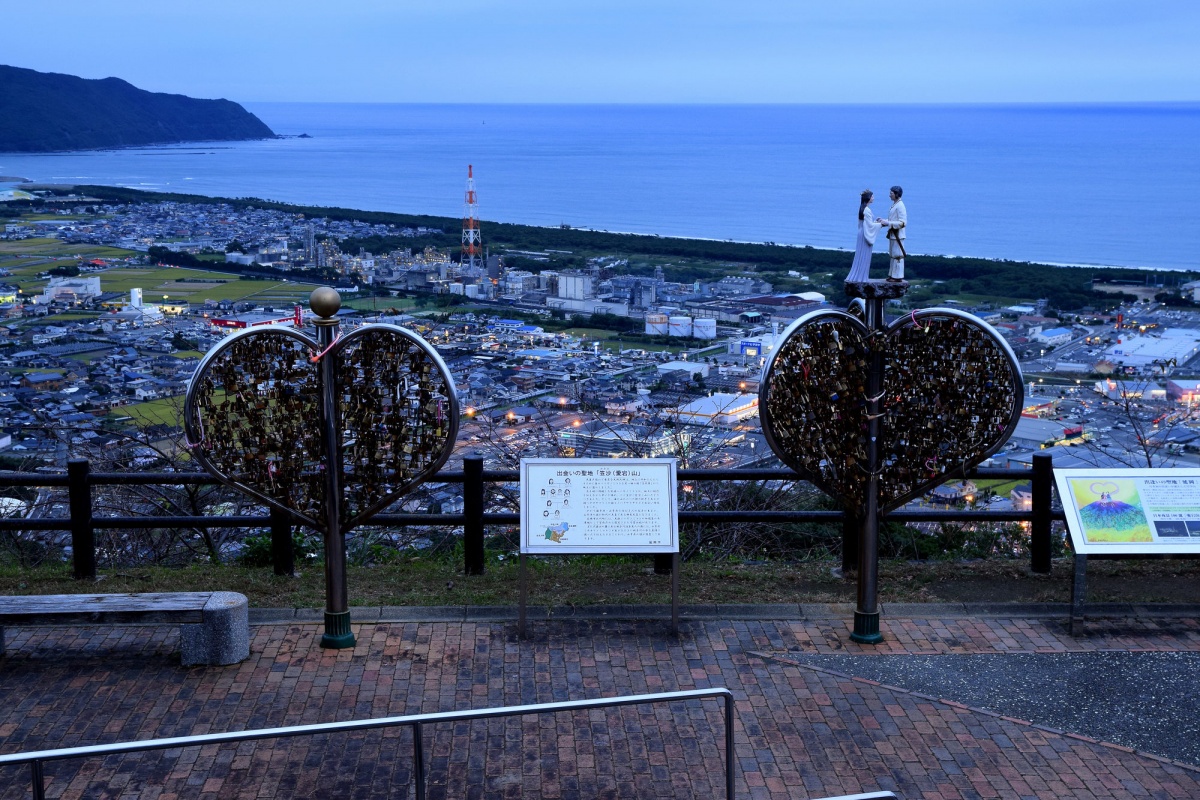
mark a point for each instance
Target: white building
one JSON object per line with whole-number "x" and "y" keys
{"x": 574, "y": 286}
{"x": 693, "y": 367}
{"x": 1054, "y": 336}
{"x": 71, "y": 290}
{"x": 723, "y": 408}
{"x": 755, "y": 345}
{"x": 1149, "y": 352}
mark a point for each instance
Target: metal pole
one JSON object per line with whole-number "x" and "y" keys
{"x": 1078, "y": 592}
{"x": 337, "y": 598}
{"x": 524, "y": 598}
{"x": 1039, "y": 529}
{"x": 866, "y": 616}
{"x": 419, "y": 761}
{"x": 729, "y": 746}
{"x": 39, "y": 780}
{"x": 473, "y": 560}
{"x": 283, "y": 556}
{"x": 83, "y": 535}
{"x": 675, "y": 594}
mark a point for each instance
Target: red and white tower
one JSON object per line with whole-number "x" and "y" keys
{"x": 471, "y": 251}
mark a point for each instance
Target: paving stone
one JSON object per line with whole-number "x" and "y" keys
{"x": 422, "y": 614}
{"x": 758, "y": 611}
{"x": 800, "y": 731}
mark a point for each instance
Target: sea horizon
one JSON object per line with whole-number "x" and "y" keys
{"x": 1072, "y": 184}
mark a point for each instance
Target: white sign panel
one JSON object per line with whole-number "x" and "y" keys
{"x": 1131, "y": 510}
{"x": 598, "y": 505}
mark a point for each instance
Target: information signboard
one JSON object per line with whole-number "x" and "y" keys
{"x": 598, "y": 505}
{"x": 1131, "y": 510}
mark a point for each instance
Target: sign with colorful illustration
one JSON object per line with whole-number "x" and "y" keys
{"x": 598, "y": 505}
{"x": 1131, "y": 510}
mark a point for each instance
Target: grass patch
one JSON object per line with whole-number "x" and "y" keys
{"x": 379, "y": 303}
{"x": 165, "y": 411}
{"x": 439, "y": 581}
{"x": 557, "y": 582}
{"x": 583, "y": 580}
{"x": 63, "y": 316}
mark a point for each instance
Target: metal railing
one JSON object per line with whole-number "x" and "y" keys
{"x": 79, "y": 482}
{"x": 38, "y": 758}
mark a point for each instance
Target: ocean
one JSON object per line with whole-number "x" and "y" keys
{"x": 1067, "y": 184}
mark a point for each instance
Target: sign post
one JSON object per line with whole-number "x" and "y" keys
{"x": 1127, "y": 512}
{"x": 599, "y": 505}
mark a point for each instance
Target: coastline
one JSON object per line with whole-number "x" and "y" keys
{"x": 450, "y": 223}
{"x": 848, "y": 251}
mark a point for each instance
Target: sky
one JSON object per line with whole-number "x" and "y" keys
{"x": 621, "y": 51}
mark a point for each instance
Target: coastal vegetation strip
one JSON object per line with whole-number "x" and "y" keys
{"x": 1066, "y": 288}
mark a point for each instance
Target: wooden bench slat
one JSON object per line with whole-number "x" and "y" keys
{"x": 216, "y": 629}
{"x": 99, "y": 608}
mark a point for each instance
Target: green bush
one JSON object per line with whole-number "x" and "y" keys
{"x": 256, "y": 552}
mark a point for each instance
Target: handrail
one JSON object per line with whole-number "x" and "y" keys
{"x": 37, "y": 758}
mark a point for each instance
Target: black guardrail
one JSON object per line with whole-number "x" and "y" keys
{"x": 82, "y": 522}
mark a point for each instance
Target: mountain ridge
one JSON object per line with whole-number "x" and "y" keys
{"x": 45, "y": 112}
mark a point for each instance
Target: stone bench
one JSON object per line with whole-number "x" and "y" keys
{"x": 214, "y": 626}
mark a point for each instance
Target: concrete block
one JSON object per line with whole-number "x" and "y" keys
{"x": 224, "y": 635}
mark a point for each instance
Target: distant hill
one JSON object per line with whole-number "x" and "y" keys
{"x": 44, "y": 112}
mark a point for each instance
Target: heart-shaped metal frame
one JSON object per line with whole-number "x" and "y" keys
{"x": 252, "y": 416}
{"x": 952, "y": 395}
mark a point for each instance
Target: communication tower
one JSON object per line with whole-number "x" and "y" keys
{"x": 470, "y": 237}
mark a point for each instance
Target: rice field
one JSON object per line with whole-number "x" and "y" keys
{"x": 380, "y": 303}
{"x": 27, "y": 260}
{"x": 167, "y": 411}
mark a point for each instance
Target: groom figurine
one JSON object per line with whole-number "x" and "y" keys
{"x": 896, "y": 222}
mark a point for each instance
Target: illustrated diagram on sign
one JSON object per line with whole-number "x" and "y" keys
{"x": 556, "y": 533}
{"x": 556, "y": 506}
{"x": 1107, "y": 518}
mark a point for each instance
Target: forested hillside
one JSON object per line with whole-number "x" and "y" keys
{"x": 45, "y": 112}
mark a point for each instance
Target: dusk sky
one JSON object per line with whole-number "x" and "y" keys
{"x": 624, "y": 51}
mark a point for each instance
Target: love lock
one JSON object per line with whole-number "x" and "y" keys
{"x": 981, "y": 382}
{"x": 253, "y": 418}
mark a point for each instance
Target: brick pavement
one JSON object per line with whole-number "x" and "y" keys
{"x": 801, "y": 732}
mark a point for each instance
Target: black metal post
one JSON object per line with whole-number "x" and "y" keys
{"x": 83, "y": 534}
{"x": 39, "y": 780}
{"x": 729, "y": 747}
{"x": 337, "y": 597}
{"x": 419, "y": 761}
{"x": 473, "y": 560}
{"x": 866, "y": 615}
{"x": 283, "y": 556}
{"x": 1078, "y": 592}
{"x": 674, "y": 593}
{"x": 851, "y": 528}
{"x": 1039, "y": 529}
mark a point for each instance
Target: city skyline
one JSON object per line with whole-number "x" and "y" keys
{"x": 662, "y": 51}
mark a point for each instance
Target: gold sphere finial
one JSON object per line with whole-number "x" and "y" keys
{"x": 325, "y": 301}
